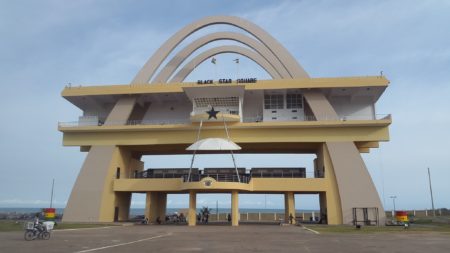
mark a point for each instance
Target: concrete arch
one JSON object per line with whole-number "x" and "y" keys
{"x": 258, "y": 59}
{"x": 342, "y": 159}
{"x": 181, "y": 56}
{"x": 288, "y": 61}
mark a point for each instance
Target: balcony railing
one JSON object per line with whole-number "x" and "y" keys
{"x": 218, "y": 177}
{"x": 244, "y": 178}
{"x": 325, "y": 118}
{"x": 245, "y": 119}
{"x": 121, "y": 123}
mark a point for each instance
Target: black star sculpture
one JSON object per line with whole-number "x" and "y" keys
{"x": 212, "y": 113}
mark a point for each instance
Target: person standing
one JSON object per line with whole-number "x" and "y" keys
{"x": 291, "y": 219}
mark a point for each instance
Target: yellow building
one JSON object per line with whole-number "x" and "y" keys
{"x": 158, "y": 113}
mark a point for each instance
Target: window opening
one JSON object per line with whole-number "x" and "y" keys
{"x": 273, "y": 101}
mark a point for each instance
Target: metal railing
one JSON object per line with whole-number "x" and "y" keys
{"x": 218, "y": 177}
{"x": 279, "y": 174}
{"x": 325, "y": 118}
{"x": 221, "y": 111}
{"x": 149, "y": 174}
{"x": 245, "y": 178}
{"x": 245, "y": 119}
{"x": 123, "y": 122}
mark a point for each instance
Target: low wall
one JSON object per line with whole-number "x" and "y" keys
{"x": 263, "y": 216}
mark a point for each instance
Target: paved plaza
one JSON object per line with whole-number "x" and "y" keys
{"x": 216, "y": 238}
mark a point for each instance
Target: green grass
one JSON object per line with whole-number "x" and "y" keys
{"x": 440, "y": 224}
{"x": 442, "y": 228}
{"x": 10, "y": 225}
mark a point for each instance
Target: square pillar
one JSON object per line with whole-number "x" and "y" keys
{"x": 289, "y": 207}
{"x": 162, "y": 203}
{"x": 323, "y": 208}
{"x": 151, "y": 206}
{"x": 147, "y": 205}
{"x": 234, "y": 208}
{"x": 122, "y": 205}
{"x": 192, "y": 216}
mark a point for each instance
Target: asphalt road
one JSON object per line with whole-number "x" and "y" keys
{"x": 214, "y": 238}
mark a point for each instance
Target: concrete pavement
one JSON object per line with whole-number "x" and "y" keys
{"x": 216, "y": 238}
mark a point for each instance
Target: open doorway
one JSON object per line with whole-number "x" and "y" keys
{"x": 137, "y": 207}
{"x": 261, "y": 208}
{"x": 177, "y": 210}
{"x": 308, "y": 208}
{"x": 213, "y": 208}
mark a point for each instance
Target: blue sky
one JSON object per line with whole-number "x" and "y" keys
{"x": 46, "y": 44}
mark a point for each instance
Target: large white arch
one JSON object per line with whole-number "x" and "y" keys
{"x": 258, "y": 59}
{"x": 165, "y": 73}
{"x": 288, "y": 61}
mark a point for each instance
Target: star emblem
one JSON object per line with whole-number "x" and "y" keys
{"x": 212, "y": 113}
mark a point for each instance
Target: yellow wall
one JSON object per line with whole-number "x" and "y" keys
{"x": 333, "y": 202}
{"x": 255, "y": 185}
{"x": 132, "y": 135}
{"x": 110, "y": 199}
{"x": 369, "y": 81}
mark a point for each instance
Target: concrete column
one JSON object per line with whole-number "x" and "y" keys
{"x": 147, "y": 205}
{"x": 353, "y": 183}
{"x": 332, "y": 198}
{"x": 289, "y": 206}
{"x": 323, "y": 205}
{"x": 93, "y": 198}
{"x": 151, "y": 206}
{"x": 122, "y": 202}
{"x": 192, "y": 216}
{"x": 235, "y": 208}
{"x": 162, "y": 203}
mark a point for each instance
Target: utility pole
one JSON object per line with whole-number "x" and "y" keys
{"x": 51, "y": 195}
{"x": 393, "y": 201}
{"x": 217, "y": 209}
{"x": 431, "y": 193}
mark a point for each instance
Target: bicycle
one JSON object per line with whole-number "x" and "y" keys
{"x": 39, "y": 231}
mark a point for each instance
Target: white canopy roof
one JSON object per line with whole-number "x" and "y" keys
{"x": 214, "y": 144}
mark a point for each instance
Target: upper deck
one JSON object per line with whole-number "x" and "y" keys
{"x": 168, "y": 114}
{"x": 378, "y": 83}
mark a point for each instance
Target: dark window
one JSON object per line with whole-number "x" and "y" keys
{"x": 118, "y": 172}
{"x": 273, "y": 101}
{"x": 294, "y": 101}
